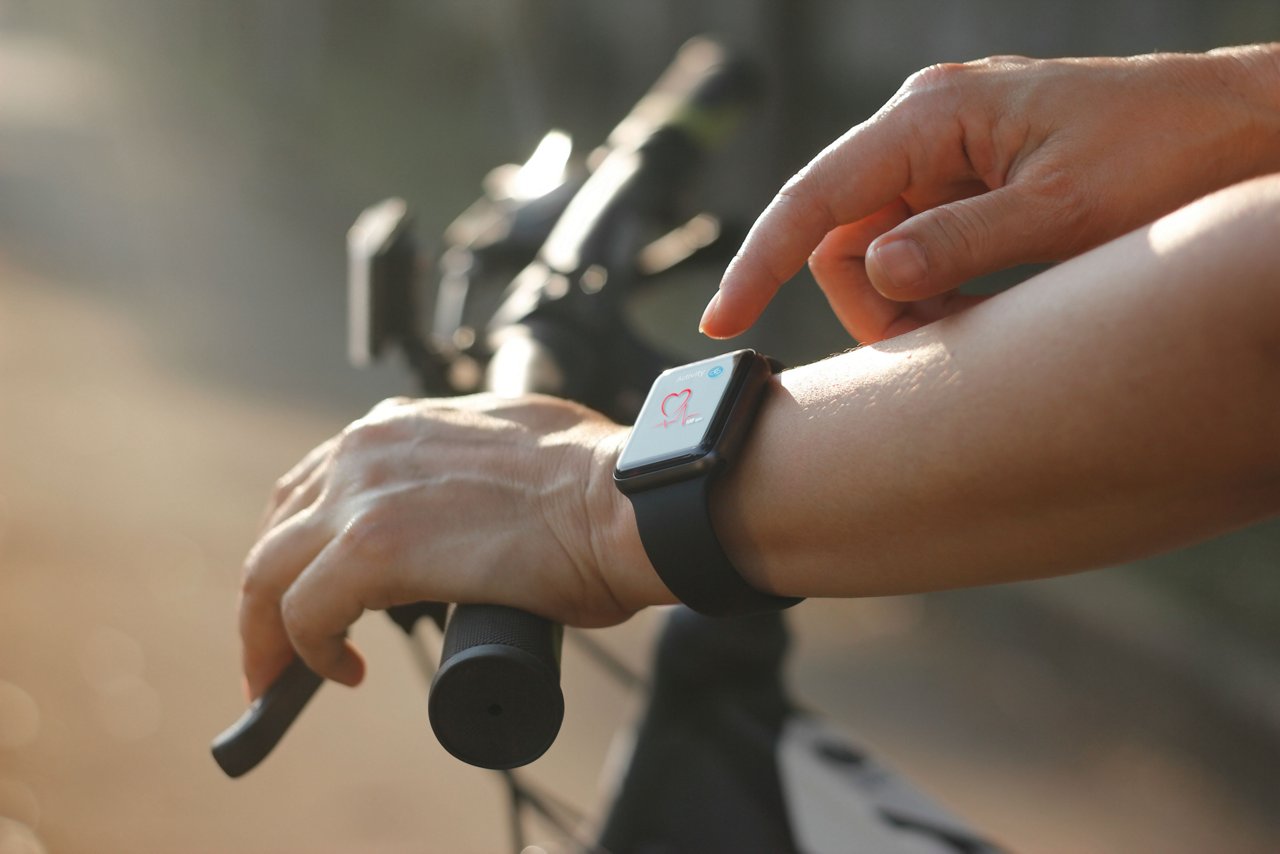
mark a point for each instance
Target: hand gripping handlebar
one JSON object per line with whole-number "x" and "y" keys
{"x": 495, "y": 701}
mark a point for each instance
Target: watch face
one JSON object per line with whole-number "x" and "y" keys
{"x": 677, "y": 417}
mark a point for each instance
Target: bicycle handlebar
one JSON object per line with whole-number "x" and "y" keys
{"x": 496, "y": 700}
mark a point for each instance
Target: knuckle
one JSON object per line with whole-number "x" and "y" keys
{"x": 485, "y": 400}
{"x": 1002, "y": 60}
{"x": 928, "y": 95}
{"x": 379, "y": 424}
{"x": 252, "y": 585}
{"x": 1055, "y": 186}
{"x": 369, "y": 535}
{"x": 797, "y": 195}
{"x": 374, "y": 474}
{"x": 348, "y": 440}
{"x": 804, "y": 202}
{"x": 293, "y": 615}
{"x": 281, "y": 490}
{"x": 364, "y": 433}
{"x": 390, "y": 403}
{"x": 940, "y": 77}
{"x": 254, "y": 580}
{"x": 797, "y": 185}
{"x": 826, "y": 265}
{"x": 305, "y": 635}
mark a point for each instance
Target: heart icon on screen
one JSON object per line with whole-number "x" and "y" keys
{"x": 681, "y": 399}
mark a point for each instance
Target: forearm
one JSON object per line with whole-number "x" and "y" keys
{"x": 1120, "y": 404}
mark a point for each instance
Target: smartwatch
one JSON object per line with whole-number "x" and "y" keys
{"x": 690, "y": 429}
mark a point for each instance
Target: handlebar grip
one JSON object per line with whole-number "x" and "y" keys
{"x": 496, "y": 701}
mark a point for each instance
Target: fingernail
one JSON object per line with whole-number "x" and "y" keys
{"x": 708, "y": 313}
{"x": 902, "y": 262}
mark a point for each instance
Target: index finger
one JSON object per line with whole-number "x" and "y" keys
{"x": 852, "y": 178}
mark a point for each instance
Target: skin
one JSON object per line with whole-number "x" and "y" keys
{"x": 1119, "y": 404}
{"x": 977, "y": 167}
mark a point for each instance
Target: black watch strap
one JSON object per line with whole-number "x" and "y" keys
{"x": 675, "y": 528}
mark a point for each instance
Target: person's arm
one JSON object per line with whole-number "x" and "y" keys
{"x": 979, "y": 166}
{"x": 1116, "y": 405}
{"x": 1121, "y": 404}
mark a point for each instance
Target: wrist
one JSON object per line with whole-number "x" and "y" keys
{"x": 746, "y": 520}
{"x": 1252, "y": 73}
{"x": 615, "y": 540}
{"x": 689, "y": 432}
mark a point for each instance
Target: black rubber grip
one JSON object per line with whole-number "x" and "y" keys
{"x": 247, "y": 742}
{"x": 496, "y": 701}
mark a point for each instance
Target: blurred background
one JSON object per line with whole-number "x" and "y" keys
{"x": 176, "y": 179}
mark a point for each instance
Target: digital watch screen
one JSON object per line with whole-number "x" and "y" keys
{"x": 691, "y": 427}
{"x": 681, "y": 411}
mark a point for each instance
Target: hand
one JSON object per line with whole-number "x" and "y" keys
{"x": 477, "y": 499}
{"x": 977, "y": 167}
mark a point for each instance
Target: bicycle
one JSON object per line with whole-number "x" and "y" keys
{"x": 723, "y": 759}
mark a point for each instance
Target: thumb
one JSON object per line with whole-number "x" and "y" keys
{"x": 939, "y": 249}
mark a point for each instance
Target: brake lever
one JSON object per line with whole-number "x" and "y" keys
{"x": 243, "y": 745}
